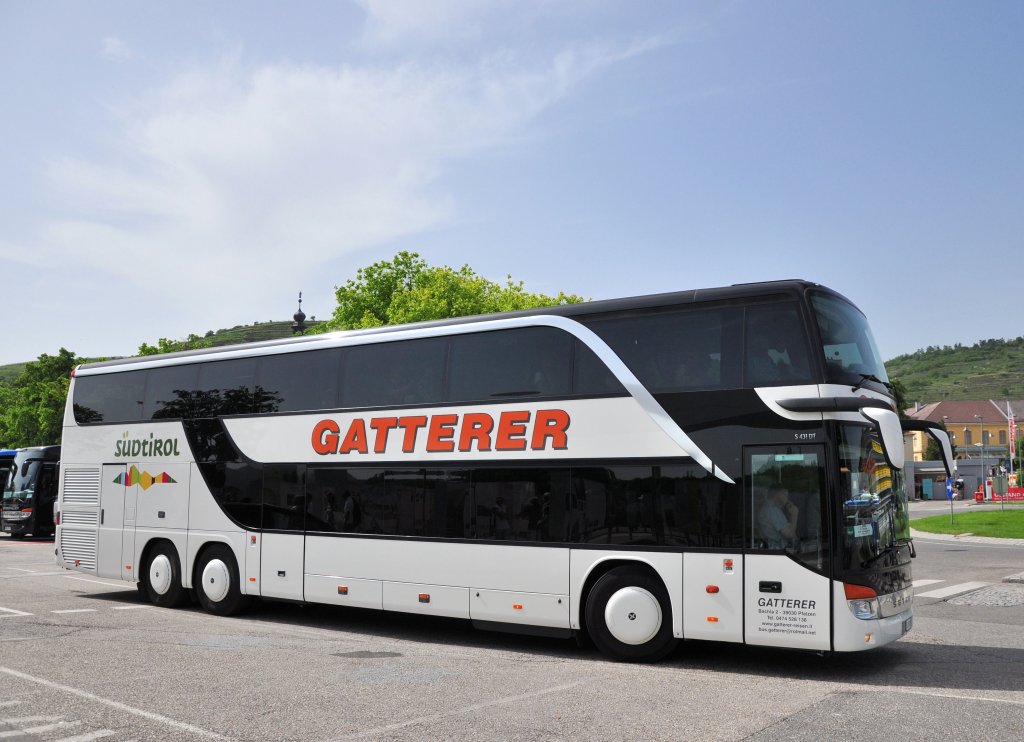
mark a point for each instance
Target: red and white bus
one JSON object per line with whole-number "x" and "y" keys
{"x": 720, "y": 464}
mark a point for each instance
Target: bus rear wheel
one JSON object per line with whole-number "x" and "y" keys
{"x": 216, "y": 582}
{"x": 629, "y": 616}
{"x": 163, "y": 578}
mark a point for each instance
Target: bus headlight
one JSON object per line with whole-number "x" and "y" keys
{"x": 863, "y": 608}
{"x": 17, "y": 514}
{"x": 862, "y": 600}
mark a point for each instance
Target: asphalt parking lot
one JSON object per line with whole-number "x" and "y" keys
{"x": 84, "y": 659}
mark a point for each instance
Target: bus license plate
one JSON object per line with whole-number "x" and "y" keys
{"x": 907, "y": 623}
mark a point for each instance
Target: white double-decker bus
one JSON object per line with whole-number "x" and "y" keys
{"x": 721, "y": 464}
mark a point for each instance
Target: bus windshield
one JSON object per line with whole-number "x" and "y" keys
{"x": 21, "y": 485}
{"x": 874, "y": 497}
{"x": 851, "y": 356}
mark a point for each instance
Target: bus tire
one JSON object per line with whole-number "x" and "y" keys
{"x": 163, "y": 578}
{"x": 216, "y": 582}
{"x": 629, "y": 616}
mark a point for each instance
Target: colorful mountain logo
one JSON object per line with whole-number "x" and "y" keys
{"x": 143, "y": 478}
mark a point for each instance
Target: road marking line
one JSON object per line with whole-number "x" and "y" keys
{"x": 9, "y": 703}
{"x": 953, "y": 695}
{"x": 29, "y": 719}
{"x": 11, "y": 613}
{"x": 922, "y": 583}
{"x": 945, "y": 592}
{"x": 105, "y": 584}
{"x": 464, "y": 710}
{"x": 50, "y": 727}
{"x": 88, "y": 737}
{"x": 76, "y": 610}
{"x": 130, "y": 607}
{"x": 180, "y": 725}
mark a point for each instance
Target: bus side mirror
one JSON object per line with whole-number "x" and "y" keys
{"x": 887, "y": 423}
{"x": 942, "y": 438}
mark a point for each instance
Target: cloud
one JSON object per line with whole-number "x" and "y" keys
{"x": 228, "y": 174}
{"x": 115, "y": 49}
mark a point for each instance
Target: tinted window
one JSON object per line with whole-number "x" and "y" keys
{"x": 699, "y": 509}
{"x": 678, "y": 350}
{"x": 614, "y": 505}
{"x": 589, "y": 374}
{"x": 169, "y": 392}
{"x": 505, "y": 364}
{"x": 293, "y": 382}
{"x": 520, "y": 504}
{"x": 111, "y": 398}
{"x": 237, "y": 488}
{"x": 224, "y": 388}
{"x": 345, "y": 500}
{"x": 284, "y": 496}
{"x": 392, "y": 374}
{"x": 776, "y": 347}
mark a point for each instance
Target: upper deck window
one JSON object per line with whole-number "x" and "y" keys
{"x": 850, "y": 353}
{"x": 776, "y": 346}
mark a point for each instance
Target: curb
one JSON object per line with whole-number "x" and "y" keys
{"x": 967, "y": 539}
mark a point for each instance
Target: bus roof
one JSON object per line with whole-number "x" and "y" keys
{"x": 794, "y": 288}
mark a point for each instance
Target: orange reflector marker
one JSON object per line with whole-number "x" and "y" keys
{"x": 868, "y": 638}
{"x": 342, "y": 590}
{"x": 424, "y": 597}
{"x": 128, "y": 567}
{"x": 252, "y": 579}
{"x": 712, "y": 619}
{"x": 517, "y": 606}
{"x": 712, "y": 589}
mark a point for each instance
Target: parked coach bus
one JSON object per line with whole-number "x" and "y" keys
{"x": 719, "y": 464}
{"x": 30, "y": 492}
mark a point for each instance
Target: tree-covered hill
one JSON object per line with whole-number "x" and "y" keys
{"x": 990, "y": 369}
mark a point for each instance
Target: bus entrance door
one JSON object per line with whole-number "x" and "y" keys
{"x": 786, "y": 568}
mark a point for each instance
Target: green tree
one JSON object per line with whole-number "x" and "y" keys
{"x": 406, "y": 289}
{"x": 899, "y": 392}
{"x": 32, "y": 405}
{"x": 163, "y": 345}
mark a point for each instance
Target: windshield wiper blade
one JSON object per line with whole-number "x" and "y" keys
{"x": 894, "y": 548}
{"x": 871, "y": 377}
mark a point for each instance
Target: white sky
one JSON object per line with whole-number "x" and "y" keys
{"x": 170, "y": 168}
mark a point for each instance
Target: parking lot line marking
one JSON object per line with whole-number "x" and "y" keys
{"x": 179, "y": 725}
{"x": 130, "y": 607}
{"x": 958, "y": 697}
{"x": 29, "y": 719}
{"x": 11, "y": 613}
{"x": 76, "y": 610}
{"x": 50, "y": 727}
{"x": 945, "y": 592}
{"x": 465, "y": 710}
{"x": 99, "y": 734}
{"x": 8, "y": 703}
{"x": 922, "y": 583}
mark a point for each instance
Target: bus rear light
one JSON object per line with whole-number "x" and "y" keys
{"x": 712, "y": 589}
{"x": 56, "y": 517}
{"x": 26, "y": 510}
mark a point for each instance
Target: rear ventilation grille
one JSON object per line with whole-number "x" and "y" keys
{"x": 78, "y": 548}
{"x": 79, "y": 518}
{"x": 81, "y": 487}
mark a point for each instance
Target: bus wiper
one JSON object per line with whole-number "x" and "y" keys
{"x": 889, "y": 550}
{"x": 871, "y": 377}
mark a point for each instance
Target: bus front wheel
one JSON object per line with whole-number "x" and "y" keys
{"x": 163, "y": 578}
{"x": 217, "y": 581}
{"x": 629, "y": 616}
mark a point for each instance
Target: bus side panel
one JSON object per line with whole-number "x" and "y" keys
{"x": 490, "y": 566}
{"x": 787, "y": 605}
{"x": 668, "y": 566}
{"x": 713, "y": 596}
